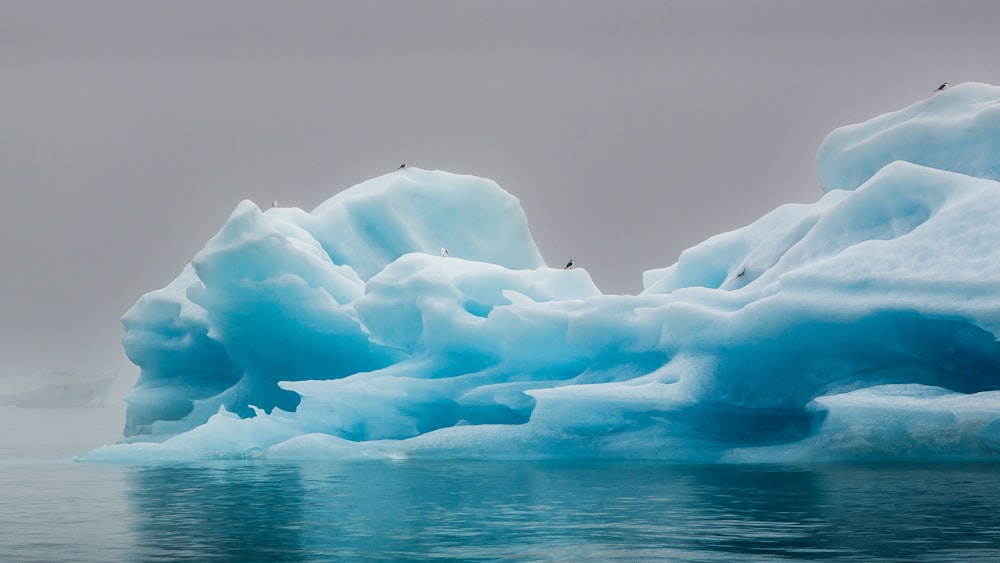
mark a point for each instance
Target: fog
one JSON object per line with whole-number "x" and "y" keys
{"x": 130, "y": 130}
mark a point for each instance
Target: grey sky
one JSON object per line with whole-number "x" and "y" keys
{"x": 629, "y": 130}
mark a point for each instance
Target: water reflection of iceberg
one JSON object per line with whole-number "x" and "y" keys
{"x": 57, "y": 389}
{"x": 561, "y": 511}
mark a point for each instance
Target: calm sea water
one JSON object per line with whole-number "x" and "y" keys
{"x": 409, "y": 510}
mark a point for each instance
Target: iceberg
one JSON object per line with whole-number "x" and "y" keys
{"x": 862, "y": 326}
{"x": 57, "y": 389}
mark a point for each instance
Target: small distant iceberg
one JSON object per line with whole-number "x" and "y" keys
{"x": 57, "y": 390}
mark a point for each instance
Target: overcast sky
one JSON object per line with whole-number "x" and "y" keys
{"x": 629, "y": 130}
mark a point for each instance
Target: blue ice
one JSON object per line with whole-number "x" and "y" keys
{"x": 861, "y": 326}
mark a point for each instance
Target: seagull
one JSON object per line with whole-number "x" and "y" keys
{"x": 444, "y": 251}
{"x": 401, "y": 166}
{"x": 274, "y": 203}
{"x": 569, "y": 264}
{"x": 942, "y": 86}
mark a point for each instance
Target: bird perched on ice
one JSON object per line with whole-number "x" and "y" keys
{"x": 274, "y": 203}
{"x": 444, "y": 251}
{"x": 942, "y": 86}
{"x": 401, "y": 166}
{"x": 569, "y": 264}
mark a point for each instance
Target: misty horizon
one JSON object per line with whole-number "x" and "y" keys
{"x": 627, "y": 134}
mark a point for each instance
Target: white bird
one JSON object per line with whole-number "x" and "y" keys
{"x": 942, "y": 87}
{"x": 569, "y": 264}
{"x": 274, "y": 203}
{"x": 444, "y": 251}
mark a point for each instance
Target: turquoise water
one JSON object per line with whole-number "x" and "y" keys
{"x": 469, "y": 511}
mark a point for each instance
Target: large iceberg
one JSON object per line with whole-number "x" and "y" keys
{"x": 862, "y": 326}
